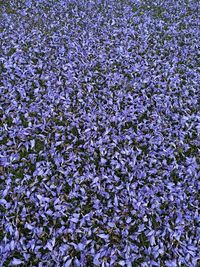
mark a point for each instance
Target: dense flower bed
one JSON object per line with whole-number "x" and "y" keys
{"x": 99, "y": 133}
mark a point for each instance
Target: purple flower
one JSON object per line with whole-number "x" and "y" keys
{"x": 99, "y": 133}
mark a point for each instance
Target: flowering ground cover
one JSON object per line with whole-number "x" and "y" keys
{"x": 99, "y": 133}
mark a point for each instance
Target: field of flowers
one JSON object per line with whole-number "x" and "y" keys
{"x": 99, "y": 133}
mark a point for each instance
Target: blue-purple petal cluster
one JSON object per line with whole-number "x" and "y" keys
{"x": 99, "y": 133}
